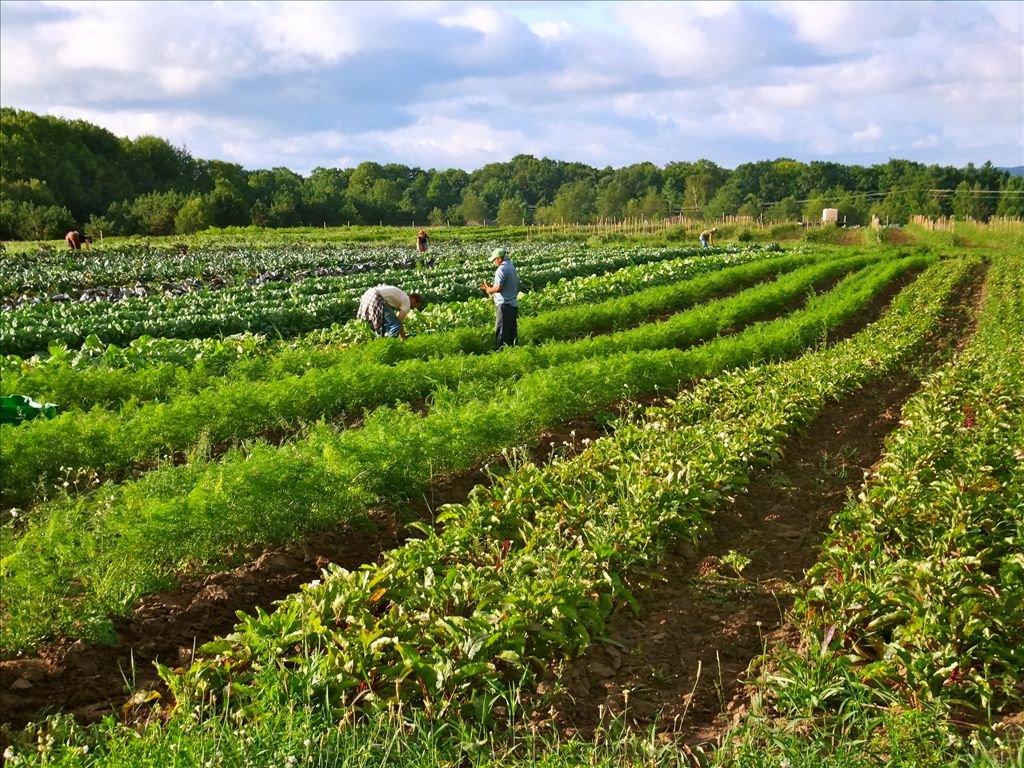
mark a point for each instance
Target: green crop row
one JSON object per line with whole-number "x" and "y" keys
{"x": 527, "y": 570}
{"x": 90, "y": 444}
{"x": 149, "y": 368}
{"x": 284, "y": 308}
{"x": 65, "y": 270}
{"x": 923, "y": 579}
{"x": 82, "y": 560}
{"x": 915, "y": 610}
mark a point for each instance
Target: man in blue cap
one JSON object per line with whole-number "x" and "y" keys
{"x": 505, "y": 292}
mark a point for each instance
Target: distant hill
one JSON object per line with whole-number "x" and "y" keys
{"x": 1017, "y": 170}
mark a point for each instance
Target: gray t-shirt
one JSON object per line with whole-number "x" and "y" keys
{"x": 507, "y": 279}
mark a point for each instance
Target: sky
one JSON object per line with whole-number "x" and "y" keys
{"x": 439, "y": 85}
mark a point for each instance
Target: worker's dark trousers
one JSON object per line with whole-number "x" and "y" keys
{"x": 506, "y": 325}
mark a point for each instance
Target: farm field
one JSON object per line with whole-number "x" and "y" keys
{"x": 759, "y": 504}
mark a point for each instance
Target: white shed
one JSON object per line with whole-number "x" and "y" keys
{"x": 829, "y": 215}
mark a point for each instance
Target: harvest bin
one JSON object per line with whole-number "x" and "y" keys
{"x": 15, "y": 409}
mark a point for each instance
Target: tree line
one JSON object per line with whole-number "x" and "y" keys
{"x": 58, "y": 174}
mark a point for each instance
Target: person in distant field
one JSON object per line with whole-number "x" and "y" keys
{"x": 384, "y": 309}
{"x": 76, "y": 240}
{"x": 422, "y": 241}
{"x": 505, "y": 292}
{"x": 707, "y": 237}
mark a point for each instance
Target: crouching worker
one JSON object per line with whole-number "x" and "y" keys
{"x": 385, "y": 307}
{"x": 76, "y": 240}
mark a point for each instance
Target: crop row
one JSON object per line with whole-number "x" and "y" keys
{"x": 36, "y": 274}
{"x": 284, "y": 309}
{"x": 923, "y": 579}
{"x": 87, "y": 443}
{"x": 81, "y": 560}
{"x": 158, "y": 367}
{"x": 527, "y": 570}
{"x": 100, "y": 267}
{"x": 915, "y": 609}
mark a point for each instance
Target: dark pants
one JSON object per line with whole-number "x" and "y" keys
{"x": 391, "y": 326}
{"x": 506, "y": 325}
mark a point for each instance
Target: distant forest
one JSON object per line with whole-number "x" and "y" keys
{"x": 58, "y": 174}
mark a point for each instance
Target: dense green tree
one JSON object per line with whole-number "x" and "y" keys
{"x": 751, "y": 207}
{"x": 813, "y": 206}
{"x": 227, "y": 205}
{"x": 854, "y": 209}
{"x": 545, "y": 215}
{"x": 820, "y": 174}
{"x": 437, "y": 218}
{"x": 611, "y": 198}
{"x": 472, "y": 209}
{"x": 1011, "y": 202}
{"x": 117, "y": 221}
{"x": 194, "y": 216}
{"x": 637, "y": 179}
{"x": 534, "y": 180}
{"x": 445, "y": 188}
{"x": 787, "y": 209}
{"x": 574, "y": 203}
{"x": 54, "y": 169}
{"x": 24, "y": 220}
{"x": 279, "y": 193}
{"x": 780, "y": 179}
{"x": 155, "y": 213}
{"x": 900, "y": 204}
{"x": 413, "y": 205}
{"x": 652, "y": 205}
{"x": 511, "y": 212}
{"x": 703, "y": 181}
{"x": 727, "y": 200}
{"x": 153, "y": 164}
{"x": 27, "y": 191}
{"x": 322, "y": 195}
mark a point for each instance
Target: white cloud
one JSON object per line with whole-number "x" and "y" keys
{"x": 870, "y": 132}
{"x": 488, "y": 21}
{"x": 680, "y": 39}
{"x": 461, "y": 84}
{"x": 298, "y": 34}
{"x": 582, "y": 81}
{"x": 204, "y": 135}
{"x": 926, "y": 142}
{"x": 842, "y": 27}
{"x": 789, "y": 95}
{"x": 445, "y": 140}
{"x": 552, "y": 30}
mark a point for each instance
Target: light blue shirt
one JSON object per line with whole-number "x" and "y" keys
{"x": 507, "y": 279}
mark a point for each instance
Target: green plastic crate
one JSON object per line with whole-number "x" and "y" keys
{"x": 15, "y": 409}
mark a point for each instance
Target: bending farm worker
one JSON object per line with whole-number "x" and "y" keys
{"x": 707, "y": 237}
{"x": 384, "y": 309}
{"x": 422, "y": 241}
{"x": 76, "y": 239}
{"x": 505, "y": 292}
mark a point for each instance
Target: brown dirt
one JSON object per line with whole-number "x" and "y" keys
{"x": 897, "y": 237}
{"x": 684, "y": 658}
{"x": 680, "y": 662}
